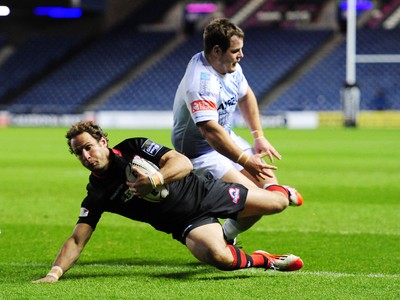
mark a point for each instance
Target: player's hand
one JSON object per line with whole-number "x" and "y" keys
{"x": 261, "y": 145}
{"x": 142, "y": 185}
{"x": 258, "y": 168}
{"x": 47, "y": 279}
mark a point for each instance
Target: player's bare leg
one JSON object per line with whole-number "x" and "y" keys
{"x": 234, "y": 175}
{"x": 261, "y": 182}
{"x": 207, "y": 244}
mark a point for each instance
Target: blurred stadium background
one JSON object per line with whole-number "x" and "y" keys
{"x": 121, "y": 60}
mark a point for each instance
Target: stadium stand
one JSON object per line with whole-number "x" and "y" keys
{"x": 3, "y": 41}
{"x": 233, "y": 6}
{"x": 386, "y": 8}
{"x": 268, "y": 56}
{"x": 155, "y": 88}
{"x": 319, "y": 89}
{"x": 271, "y": 56}
{"x": 72, "y": 85}
{"x": 30, "y": 59}
{"x": 76, "y": 81}
{"x": 285, "y": 13}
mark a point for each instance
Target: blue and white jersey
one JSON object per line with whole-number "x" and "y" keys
{"x": 202, "y": 95}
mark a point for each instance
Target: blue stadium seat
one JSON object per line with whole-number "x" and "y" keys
{"x": 319, "y": 89}
{"x": 76, "y": 82}
{"x": 264, "y": 64}
{"x": 155, "y": 88}
{"x": 30, "y": 58}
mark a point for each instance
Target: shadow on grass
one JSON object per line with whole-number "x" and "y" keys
{"x": 155, "y": 269}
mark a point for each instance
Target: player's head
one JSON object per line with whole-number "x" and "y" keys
{"x": 223, "y": 45}
{"x": 85, "y": 126}
{"x": 219, "y": 33}
{"x": 90, "y": 145}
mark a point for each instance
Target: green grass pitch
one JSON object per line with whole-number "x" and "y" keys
{"x": 347, "y": 232}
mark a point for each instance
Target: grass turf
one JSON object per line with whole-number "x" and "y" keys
{"x": 347, "y": 232}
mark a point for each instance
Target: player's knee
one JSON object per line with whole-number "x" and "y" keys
{"x": 282, "y": 203}
{"x": 276, "y": 205}
{"x": 279, "y": 203}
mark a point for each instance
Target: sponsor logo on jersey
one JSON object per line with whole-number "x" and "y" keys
{"x": 151, "y": 147}
{"x": 123, "y": 193}
{"x": 84, "y": 212}
{"x": 204, "y": 76}
{"x": 228, "y": 104}
{"x": 128, "y": 195}
{"x": 200, "y": 105}
{"x": 225, "y": 111}
{"x": 235, "y": 194}
{"x": 204, "y": 84}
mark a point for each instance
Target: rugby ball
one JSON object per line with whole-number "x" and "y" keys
{"x": 149, "y": 168}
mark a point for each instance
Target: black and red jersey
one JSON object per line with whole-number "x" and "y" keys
{"x": 190, "y": 199}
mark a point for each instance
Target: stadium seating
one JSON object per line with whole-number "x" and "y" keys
{"x": 386, "y": 8}
{"x": 319, "y": 89}
{"x": 76, "y": 82}
{"x": 31, "y": 58}
{"x": 270, "y": 56}
{"x": 281, "y": 7}
{"x": 264, "y": 63}
{"x": 233, "y": 6}
{"x": 155, "y": 88}
{"x": 3, "y": 40}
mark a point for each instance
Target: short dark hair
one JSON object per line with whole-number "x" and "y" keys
{"x": 219, "y": 32}
{"x": 84, "y": 126}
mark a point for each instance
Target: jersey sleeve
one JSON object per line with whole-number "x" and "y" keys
{"x": 201, "y": 97}
{"x": 144, "y": 147}
{"x": 89, "y": 213}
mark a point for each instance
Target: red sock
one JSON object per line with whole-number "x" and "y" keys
{"x": 241, "y": 260}
{"x": 277, "y": 188}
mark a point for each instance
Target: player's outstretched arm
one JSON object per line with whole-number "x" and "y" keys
{"x": 69, "y": 253}
{"x": 248, "y": 107}
{"x": 222, "y": 142}
{"x": 219, "y": 139}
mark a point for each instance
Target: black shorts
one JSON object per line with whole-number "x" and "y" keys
{"x": 204, "y": 221}
{"x": 220, "y": 200}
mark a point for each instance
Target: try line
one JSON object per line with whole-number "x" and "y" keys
{"x": 299, "y": 273}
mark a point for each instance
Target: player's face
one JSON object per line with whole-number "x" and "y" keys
{"x": 93, "y": 154}
{"x": 228, "y": 60}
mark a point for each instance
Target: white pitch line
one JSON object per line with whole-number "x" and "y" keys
{"x": 252, "y": 270}
{"x": 334, "y": 274}
{"x": 342, "y": 232}
{"x": 327, "y": 274}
